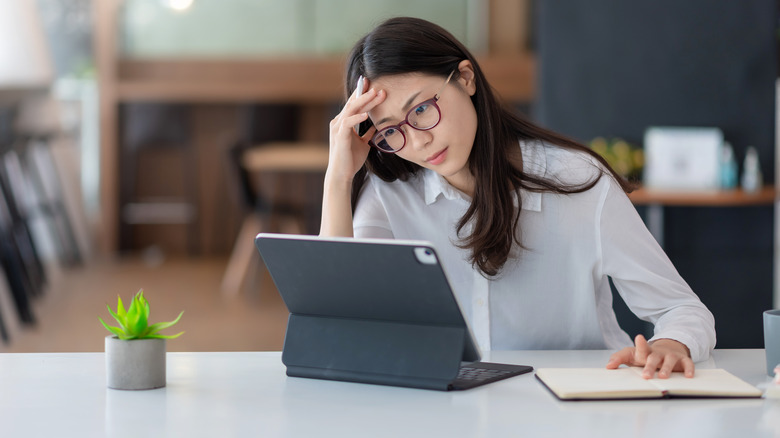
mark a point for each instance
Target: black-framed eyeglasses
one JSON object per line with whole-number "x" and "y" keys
{"x": 423, "y": 117}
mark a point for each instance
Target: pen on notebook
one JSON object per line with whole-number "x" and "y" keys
{"x": 360, "y": 85}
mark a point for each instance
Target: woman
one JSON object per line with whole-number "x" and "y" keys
{"x": 529, "y": 225}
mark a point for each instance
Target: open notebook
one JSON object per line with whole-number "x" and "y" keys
{"x": 373, "y": 311}
{"x": 628, "y": 383}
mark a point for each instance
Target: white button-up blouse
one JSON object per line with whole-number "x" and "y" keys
{"x": 554, "y": 293}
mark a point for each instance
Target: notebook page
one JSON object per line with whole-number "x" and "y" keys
{"x": 597, "y": 383}
{"x": 707, "y": 382}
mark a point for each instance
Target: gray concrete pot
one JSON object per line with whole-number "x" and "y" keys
{"x": 135, "y": 364}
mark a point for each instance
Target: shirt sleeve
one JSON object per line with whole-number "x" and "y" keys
{"x": 646, "y": 279}
{"x": 370, "y": 219}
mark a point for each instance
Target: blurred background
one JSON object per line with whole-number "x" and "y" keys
{"x": 143, "y": 143}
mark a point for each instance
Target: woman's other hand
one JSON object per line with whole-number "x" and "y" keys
{"x": 662, "y": 355}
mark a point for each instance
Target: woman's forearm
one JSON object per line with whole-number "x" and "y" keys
{"x": 336, "y": 208}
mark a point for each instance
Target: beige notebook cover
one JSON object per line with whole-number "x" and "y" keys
{"x": 627, "y": 383}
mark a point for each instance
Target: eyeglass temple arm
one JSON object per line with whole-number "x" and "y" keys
{"x": 445, "y": 85}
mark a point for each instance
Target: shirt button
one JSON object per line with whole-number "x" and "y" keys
{"x": 480, "y": 302}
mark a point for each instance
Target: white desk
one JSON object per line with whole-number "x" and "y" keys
{"x": 248, "y": 394}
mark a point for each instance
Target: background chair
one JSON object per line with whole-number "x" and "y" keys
{"x": 280, "y": 185}
{"x": 159, "y": 172}
{"x": 19, "y": 224}
{"x": 18, "y": 256}
{"x": 38, "y": 195}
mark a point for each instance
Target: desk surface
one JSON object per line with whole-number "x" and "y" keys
{"x": 248, "y": 394}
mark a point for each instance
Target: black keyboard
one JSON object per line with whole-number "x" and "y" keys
{"x": 480, "y": 373}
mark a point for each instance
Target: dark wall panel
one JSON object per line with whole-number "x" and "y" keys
{"x": 613, "y": 68}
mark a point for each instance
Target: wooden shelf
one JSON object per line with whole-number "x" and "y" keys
{"x": 726, "y": 198}
{"x": 315, "y": 80}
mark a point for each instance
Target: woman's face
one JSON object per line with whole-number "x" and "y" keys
{"x": 444, "y": 149}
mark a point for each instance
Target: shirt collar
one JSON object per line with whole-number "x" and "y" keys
{"x": 436, "y": 185}
{"x": 534, "y": 162}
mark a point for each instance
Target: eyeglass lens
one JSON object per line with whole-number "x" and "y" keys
{"x": 422, "y": 117}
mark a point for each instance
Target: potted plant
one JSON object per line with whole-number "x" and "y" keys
{"x": 135, "y": 351}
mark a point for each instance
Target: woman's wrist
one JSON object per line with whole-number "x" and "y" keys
{"x": 336, "y": 182}
{"x": 671, "y": 344}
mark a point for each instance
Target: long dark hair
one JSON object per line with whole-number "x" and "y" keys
{"x": 411, "y": 45}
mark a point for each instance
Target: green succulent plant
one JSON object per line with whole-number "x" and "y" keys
{"x": 134, "y": 322}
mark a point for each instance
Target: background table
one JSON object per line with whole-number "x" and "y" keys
{"x": 248, "y": 394}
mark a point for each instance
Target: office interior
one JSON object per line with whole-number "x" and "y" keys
{"x": 127, "y": 144}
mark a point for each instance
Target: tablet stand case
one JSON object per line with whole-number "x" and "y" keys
{"x": 356, "y": 317}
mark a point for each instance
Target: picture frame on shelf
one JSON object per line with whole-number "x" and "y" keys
{"x": 682, "y": 158}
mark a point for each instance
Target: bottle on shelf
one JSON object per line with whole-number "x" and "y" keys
{"x": 752, "y": 179}
{"x": 728, "y": 168}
